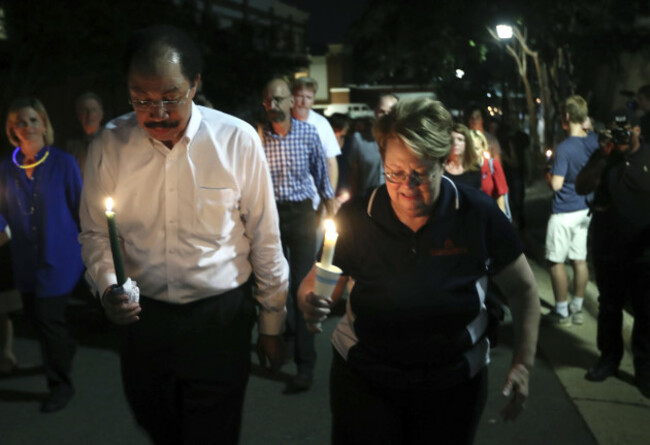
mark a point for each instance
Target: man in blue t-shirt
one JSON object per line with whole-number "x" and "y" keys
{"x": 566, "y": 234}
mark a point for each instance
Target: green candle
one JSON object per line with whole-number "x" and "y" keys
{"x": 118, "y": 262}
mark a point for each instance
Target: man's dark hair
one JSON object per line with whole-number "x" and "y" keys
{"x": 149, "y": 45}
{"x": 622, "y": 115}
{"x": 472, "y": 108}
{"x": 339, "y": 121}
{"x": 85, "y": 96}
{"x": 645, "y": 91}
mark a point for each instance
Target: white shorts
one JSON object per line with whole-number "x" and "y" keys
{"x": 566, "y": 236}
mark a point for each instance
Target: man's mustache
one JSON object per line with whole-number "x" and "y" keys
{"x": 276, "y": 115}
{"x": 161, "y": 124}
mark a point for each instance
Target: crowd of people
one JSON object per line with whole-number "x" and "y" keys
{"x": 219, "y": 226}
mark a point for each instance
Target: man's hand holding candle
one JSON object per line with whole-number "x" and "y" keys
{"x": 120, "y": 301}
{"x": 120, "y": 305}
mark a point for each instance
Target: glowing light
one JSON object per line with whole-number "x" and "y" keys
{"x": 504, "y": 31}
{"x": 328, "y": 243}
{"x": 329, "y": 225}
{"x": 460, "y": 73}
{"x": 109, "y": 204}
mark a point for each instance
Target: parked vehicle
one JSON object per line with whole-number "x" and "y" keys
{"x": 352, "y": 110}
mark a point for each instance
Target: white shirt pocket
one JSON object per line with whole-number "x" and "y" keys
{"x": 216, "y": 212}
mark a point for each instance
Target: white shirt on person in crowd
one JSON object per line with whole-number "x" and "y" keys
{"x": 328, "y": 141}
{"x": 193, "y": 221}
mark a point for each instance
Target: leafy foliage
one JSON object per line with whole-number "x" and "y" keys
{"x": 423, "y": 42}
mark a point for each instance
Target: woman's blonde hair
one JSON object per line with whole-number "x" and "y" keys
{"x": 480, "y": 141}
{"x": 423, "y": 125}
{"x": 28, "y": 102}
{"x": 471, "y": 161}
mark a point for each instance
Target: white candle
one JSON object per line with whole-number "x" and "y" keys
{"x": 328, "y": 244}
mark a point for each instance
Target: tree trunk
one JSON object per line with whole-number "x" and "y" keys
{"x": 532, "y": 115}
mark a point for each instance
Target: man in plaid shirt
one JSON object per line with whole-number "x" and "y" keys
{"x": 294, "y": 153}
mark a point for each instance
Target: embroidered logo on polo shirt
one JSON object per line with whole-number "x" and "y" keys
{"x": 448, "y": 249}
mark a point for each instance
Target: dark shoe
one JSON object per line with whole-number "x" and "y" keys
{"x": 57, "y": 401}
{"x": 7, "y": 366}
{"x": 300, "y": 383}
{"x": 644, "y": 386}
{"x": 601, "y": 371}
{"x": 555, "y": 319}
{"x": 289, "y": 350}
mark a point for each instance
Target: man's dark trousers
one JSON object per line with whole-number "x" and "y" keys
{"x": 185, "y": 367}
{"x": 298, "y": 232}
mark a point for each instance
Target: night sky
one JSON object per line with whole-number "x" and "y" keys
{"x": 329, "y": 19}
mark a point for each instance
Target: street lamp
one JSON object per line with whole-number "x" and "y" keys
{"x": 519, "y": 50}
{"x": 504, "y": 31}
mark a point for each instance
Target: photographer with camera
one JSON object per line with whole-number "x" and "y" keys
{"x": 619, "y": 175}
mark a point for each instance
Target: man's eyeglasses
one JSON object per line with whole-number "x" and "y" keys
{"x": 169, "y": 105}
{"x": 277, "y": 100}
{"x": 403, "y": 178}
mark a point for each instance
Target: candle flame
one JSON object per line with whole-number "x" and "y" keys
{"x": 486, "y": 154}
{"x": 330, "y": 226}
{"x": 549, "y": 153}
{"x": 109, "y": 204}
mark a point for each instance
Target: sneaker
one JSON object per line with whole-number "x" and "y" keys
{"x": 577, "y": 318}
{"x": 554, "y": 318}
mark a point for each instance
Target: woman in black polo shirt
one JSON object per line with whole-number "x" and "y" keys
{"x": 411, "y": 352}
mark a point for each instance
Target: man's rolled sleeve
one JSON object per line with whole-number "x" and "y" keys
{"x": 262, "y": 229}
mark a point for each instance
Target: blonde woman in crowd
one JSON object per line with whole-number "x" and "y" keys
{"x": 493, "y": 179}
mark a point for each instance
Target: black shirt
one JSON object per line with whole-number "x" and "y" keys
{"x": 622, "y": 212}
{"x": 418, "y": 300}
{"x": 469, "y": 178}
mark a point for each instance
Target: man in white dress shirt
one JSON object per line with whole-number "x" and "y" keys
{"x": 197, "y": 223}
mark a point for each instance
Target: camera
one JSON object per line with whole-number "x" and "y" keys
{"x": 620, "y": 134}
